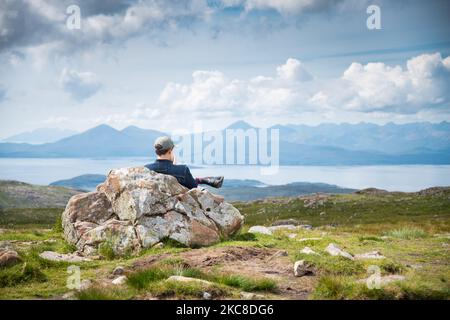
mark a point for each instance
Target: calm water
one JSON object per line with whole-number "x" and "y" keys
{"x": 399, "y": 177}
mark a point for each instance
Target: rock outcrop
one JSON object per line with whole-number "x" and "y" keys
{"x": 334, "y": 250}
{"x": 137, "y": 208}
{"x": 8, "y": 257}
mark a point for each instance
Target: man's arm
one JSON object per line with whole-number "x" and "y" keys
{"x": 190, "y": 181}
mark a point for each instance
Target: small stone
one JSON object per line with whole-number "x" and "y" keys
{"x": 292, "y": 235}
{"x": 85, "y": 284}
{"x": 68, "y": 295}
{"x": 69, "y": 257}
{"x": 159, "y": 245}
{"x": 322, "y": 213}
{"x": 207, "y": 295}
{"x": 334, "y": 250}
{"x": 384, "y": 279}
{"x": 119, "y": 270}
{"x": 120, "y": 280}
{"x": 283, "y": 227}
{"x": 308, "y": 250}
{"x": 260, "y": 229}
{"x": 309, "y": 239}
{"x": 9, "y": 257}
{"x": 302, "y": 268}
{"x": 369, "y": 255}
{"x": 285, "y": 222}
{"x": 251, "y": 296}
{"x": 188, "y": 279}
{"x": 280, "y": 253}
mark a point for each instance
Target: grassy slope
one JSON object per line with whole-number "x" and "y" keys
{"x": 23, "y": 204}
{"x": 352, "y": 211}
{"x": 14, "y": 194}
{"x": 412, "y": 231}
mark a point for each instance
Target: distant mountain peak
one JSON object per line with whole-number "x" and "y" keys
{"x": 40, "y": 136}
{"x": 240, "y": 124}
{"x": 131, "y": 127}
{"x": 103, "y": 127}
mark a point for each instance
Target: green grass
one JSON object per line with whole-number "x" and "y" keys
{"x": 182, "y": 290}
{"x": 402, "y": 227}
{"x": 29, "y": 217}
{"x": 24, "y": 272}
{"x": 335, "y": 265}
{"x": 368, "y": 212}
{"x": 407, "y": 233}
{"x": 105, "y": 249}
{"x": 246, "y": 283}
{"x": 14, "y": 194}
{"x": 141, "y": 279}
{"x": 166, "y": 268}
{"x": 98, "y": 293}
{"x": 153, "y": 280}
{"x": 340, "y": 288}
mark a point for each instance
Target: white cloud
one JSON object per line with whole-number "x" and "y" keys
{"x": 211, "y": 94}
{"x": 80, "y": 85}
{"x": 293, "y": 70}
{"x": 101, "y": 21}
{"x": 116, "y": 21}
{"x": 375, "y": 87}
{"x": 425, "y": 83}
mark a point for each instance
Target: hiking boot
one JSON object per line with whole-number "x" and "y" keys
{"x": 215, "y": 182}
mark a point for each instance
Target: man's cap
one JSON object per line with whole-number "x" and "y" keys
{"x": 163, "y": 143}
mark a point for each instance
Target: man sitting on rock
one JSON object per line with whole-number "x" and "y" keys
{"x": 165, "y": 164}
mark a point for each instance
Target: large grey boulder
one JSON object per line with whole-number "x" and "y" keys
{"x": 137, "y": 208}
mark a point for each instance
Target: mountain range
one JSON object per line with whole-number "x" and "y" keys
{"x": 41, "y": 135}
{"x": 325, "y": 144}
{"x": 99, "y": 141}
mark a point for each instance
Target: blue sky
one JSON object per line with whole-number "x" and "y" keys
{"x": 180, "y": 64}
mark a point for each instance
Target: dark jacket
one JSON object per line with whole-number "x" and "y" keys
{"x": 179, "y": 171}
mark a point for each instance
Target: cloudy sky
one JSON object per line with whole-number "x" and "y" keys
{"x": 178, "y": 64}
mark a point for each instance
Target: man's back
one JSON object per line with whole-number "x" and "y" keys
{"x": 180, "y": 172}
